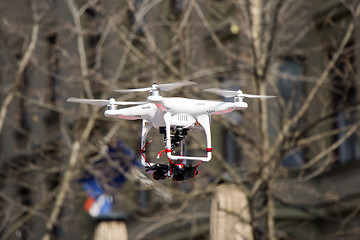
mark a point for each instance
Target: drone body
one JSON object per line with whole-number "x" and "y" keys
{"x": 174, "y": 117}
{"x": 184, "y": 111}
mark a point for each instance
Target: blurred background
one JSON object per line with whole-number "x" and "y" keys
{"x": 286, "y": 168}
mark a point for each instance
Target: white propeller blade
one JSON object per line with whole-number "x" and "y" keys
{"x": 171, "y": 86}
{"x": 229, "y": 93}
{"x": 134, "y": 90}
{"x": 161, "y": 87}
{"x": 96, "y": 102}
{"x": 101, "y": 102}
{"x": 256, "y": 96}
{"x": 221, "y": 92}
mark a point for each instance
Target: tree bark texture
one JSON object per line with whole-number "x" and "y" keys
{"x": 111, "y": 230}
{"x": 230, "y": 216}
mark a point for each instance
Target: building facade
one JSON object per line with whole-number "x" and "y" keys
{"x": 296, "y": 159}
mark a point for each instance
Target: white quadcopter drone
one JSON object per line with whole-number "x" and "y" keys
{"x": 174, "y": 117}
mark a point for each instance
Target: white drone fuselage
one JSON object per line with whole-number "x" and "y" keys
{"x": 177, "y": 112}
{"x": 184, "y": 111}
{"x": 171, "y": 115}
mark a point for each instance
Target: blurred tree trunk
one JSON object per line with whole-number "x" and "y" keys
{"x": 109, "y": 230}
{"x": 230, "y": 215}
{"x": 262, "y": 34}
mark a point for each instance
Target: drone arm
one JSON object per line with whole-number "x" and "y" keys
{"x": 158, "y": 101}
{"x": 146, "y": 126}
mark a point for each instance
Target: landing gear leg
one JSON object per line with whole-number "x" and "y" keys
{"x": 146, "y": 126}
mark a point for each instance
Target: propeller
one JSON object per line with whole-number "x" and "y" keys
{"x": 238, "y": 93}
{"x": 101, "y": 102}
{"x": 157, "y": 87}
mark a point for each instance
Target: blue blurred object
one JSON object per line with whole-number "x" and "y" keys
{"x": 98, "y": 202}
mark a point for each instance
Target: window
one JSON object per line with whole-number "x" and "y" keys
{"x": 344, "y": 96}
{"x": 52, "y": 118}
{"x": 291, "y": 89}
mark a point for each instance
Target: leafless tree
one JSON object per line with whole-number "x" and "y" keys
{"x": 51, "y": 50}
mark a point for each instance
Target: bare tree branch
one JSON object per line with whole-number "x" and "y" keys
{"x": 19, "y": 73}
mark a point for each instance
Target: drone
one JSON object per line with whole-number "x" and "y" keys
{"x": 174, "y": 117}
